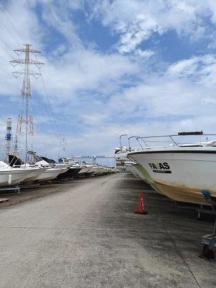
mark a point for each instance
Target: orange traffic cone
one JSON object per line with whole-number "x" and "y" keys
{"x": 140, "y": 205}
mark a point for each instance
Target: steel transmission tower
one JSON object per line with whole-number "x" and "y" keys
{"x": 25, "y": 117}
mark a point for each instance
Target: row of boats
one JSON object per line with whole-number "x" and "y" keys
{"x": 182, "y": 171}
{"x": 41, "y": 169}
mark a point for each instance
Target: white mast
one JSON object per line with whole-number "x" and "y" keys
{"x": 26, "y": 90}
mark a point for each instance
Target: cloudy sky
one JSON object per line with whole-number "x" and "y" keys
{"x": 140, "y": 67}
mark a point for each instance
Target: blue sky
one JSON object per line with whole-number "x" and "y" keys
{"x": 111, "y": 67}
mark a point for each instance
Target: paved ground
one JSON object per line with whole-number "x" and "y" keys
{"x": 87, "y": 235}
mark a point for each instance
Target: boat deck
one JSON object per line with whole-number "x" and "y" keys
{"x": 84, "y": 233}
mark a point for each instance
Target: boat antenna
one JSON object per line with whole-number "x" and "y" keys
{"x": 26, "y": 87}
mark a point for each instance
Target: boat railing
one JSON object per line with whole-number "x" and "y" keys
{"x": 171, "y": 139}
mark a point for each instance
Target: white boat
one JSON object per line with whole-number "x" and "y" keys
{"x": 137, "y": 170}
{"x": 181, "y": 172}
{"x": 72, "y": 165}
{"x": 34, "y": 172}
{"x": 12, "y": 176}
{"x": 131, "y": 168}
{"x": 50, "y": 173}
{"x": 123, "y": 163}
{"x": 121, "y": 158}
{"x": 100, "y": 170}
{"x": 86, "y": 169}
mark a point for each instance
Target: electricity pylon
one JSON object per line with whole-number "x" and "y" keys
{"x": 25, "y": 117}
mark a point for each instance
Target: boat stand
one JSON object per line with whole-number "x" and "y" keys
{"x": 30, "y": 186}
{"x": 15, "y": 189}
{"x": 208, "y": 241}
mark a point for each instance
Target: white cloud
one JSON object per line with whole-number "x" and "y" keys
{"x": 145, "y": 54}
{"x": 188, "y": 66}
{"x": 200, "y": 69}
{"x": 94, "y": 119}
{"x": 86, "y": 70}
{"x": 136, "y": 21}
{"x": 58, "y": 16}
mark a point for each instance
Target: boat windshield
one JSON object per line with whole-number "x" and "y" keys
{"x": 182, "y": 139}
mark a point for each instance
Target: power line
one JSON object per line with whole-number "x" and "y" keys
{"x": 52, "y": 113}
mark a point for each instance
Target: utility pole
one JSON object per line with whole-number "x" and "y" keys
{"x": 26, "y": 116}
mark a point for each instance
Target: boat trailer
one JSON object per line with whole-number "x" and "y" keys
{"x": 208, "y": 241}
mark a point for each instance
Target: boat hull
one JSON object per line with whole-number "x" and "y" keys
{"x": 70, "y": 173}
{"x": 13, "y": 176}
{"x": 131, "y": 169}
{"x": 86, "y": 171}
{"x": 50, "y": 174}
{"x": 33, "y": 174}
{"x": 180, "y": 175}
{"x": 136, "y": 170}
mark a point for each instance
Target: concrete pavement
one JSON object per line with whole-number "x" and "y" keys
{"x": 86, "y": 235}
